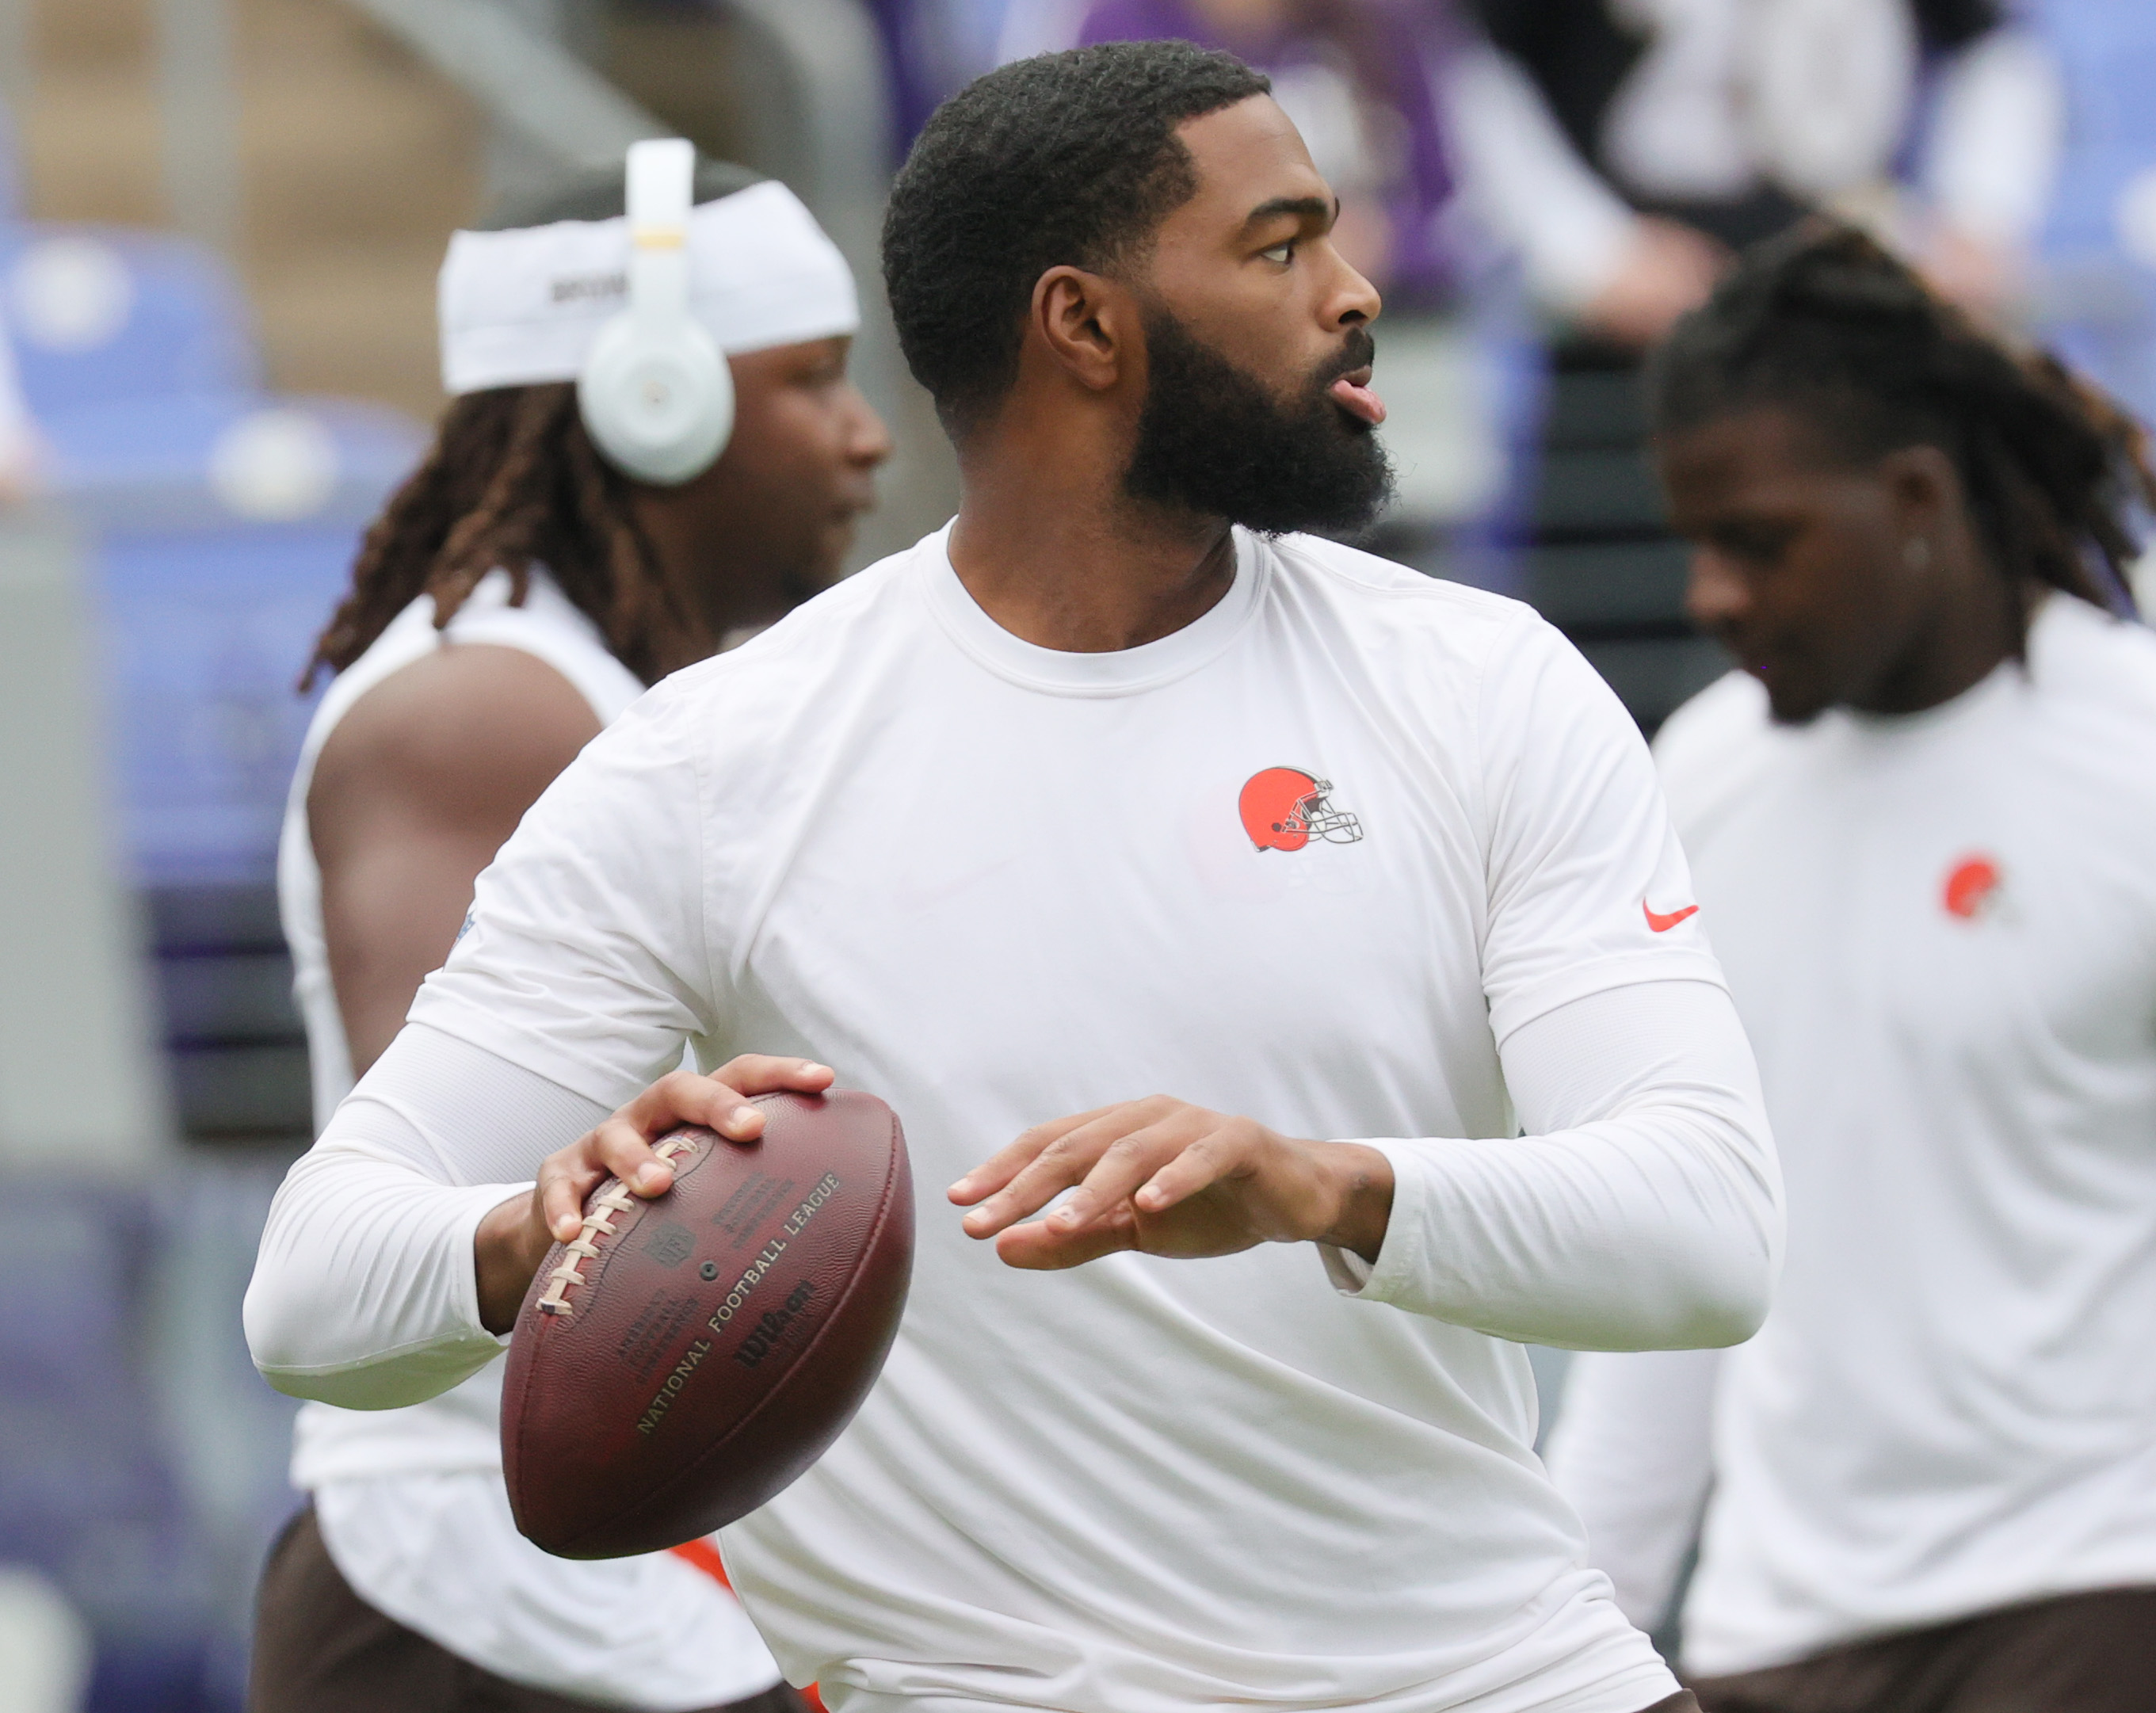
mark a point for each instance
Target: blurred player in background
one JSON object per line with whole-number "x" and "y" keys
{"x": 1124, "y": 782}
{"x": 517, "y": 595}
{"x": 1359, "y": 80}
{"x": 1627, "y": 147}
{"x": 1922, "y": 822}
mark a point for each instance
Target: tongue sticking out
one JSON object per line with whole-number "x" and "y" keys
{"x": 1359, "y": 401}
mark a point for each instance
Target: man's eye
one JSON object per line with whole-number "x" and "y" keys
{"x": 1759, "y": 544}
{"x": 1283, "y": 252}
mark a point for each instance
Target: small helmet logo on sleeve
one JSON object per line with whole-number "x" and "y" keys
{"x": 1284, "y": 808}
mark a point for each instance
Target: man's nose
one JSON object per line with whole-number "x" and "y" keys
{"x": 1716, "y": 596}
{"x": 868, "y": 441}
{"x": 1354, "y": 302}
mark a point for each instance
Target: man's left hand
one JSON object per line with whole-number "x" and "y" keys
{"x": 1167, "y": 1178}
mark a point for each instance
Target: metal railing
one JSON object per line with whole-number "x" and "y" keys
{"x": 78, "y": 1076}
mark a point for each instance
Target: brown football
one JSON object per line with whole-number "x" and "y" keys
{"x": 685, "y": 1358}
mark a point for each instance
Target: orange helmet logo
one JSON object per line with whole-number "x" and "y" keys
{"x": 1972, "y": 888}
{"x": 1284, "y": 808}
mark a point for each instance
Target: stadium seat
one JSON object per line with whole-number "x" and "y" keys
{"x": 143, "y": 1473}
{"x": 88, "y": 1497}
{"x": 102, "y": 314}
{"x": 221, "y": 529}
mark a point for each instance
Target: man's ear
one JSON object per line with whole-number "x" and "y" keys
{"x": 1924, "y": 487}
{"x": 1085, "y": 323}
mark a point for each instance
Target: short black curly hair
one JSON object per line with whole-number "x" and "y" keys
{"x": 1067, "y": 157}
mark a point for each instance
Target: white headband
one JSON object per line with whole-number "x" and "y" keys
{"x": 524, "y": 306}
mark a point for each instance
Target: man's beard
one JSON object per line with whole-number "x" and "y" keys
{"x": 1213, "y": 440}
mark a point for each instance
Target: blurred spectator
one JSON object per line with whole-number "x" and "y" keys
{"x": 935, "y": 48}
{"x": 2095, "y": 295}
{"x": 1624, "y": 147}
{"x": 44, "y": 1644}
{"x": 1357, "y": 79}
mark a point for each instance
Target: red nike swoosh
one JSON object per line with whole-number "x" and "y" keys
{"x": 1659, "y": 924}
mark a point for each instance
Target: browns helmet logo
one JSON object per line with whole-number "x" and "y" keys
{"x": 1972, "y": 888}
{"x": 1284, "y": 808}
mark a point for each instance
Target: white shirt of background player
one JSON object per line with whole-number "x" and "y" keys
{"x": 410, "y": 1501}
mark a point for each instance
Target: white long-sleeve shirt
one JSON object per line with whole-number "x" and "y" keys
{"x": 994, "y": 883}
{"x": 1941, "y": 931}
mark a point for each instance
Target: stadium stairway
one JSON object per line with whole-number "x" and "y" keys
{"x": 1601, "y": 564}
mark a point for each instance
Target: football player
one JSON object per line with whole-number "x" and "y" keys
{"x": 970, "y": 831}
{"x": 517, "y": 594}
{"x": 1920, "y": 820}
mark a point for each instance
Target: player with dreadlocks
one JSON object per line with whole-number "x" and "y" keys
{"x": 519, "y": 591}
{"x": 1921, "y": 821}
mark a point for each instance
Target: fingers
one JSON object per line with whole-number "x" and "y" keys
{"x": 1199, "y": 1166}
{"x": 621, "y": 1146}
{"x": 684, "y": 1097}
{"x": 762, "y": 1074}
{"x": 1124, "y": 1163}
{"x": 1036, "y": 1247}
{"x": 999, "y": 1169}
{"x": 1105, "y": 1155}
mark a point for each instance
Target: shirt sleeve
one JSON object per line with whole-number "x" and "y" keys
{"x": 365, "y": 1294}
{"x": 1588, "y": 887}
{"x": 1642, "y": 1210}
{"x": 1632, "y": 1449}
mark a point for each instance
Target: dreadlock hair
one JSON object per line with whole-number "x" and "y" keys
{"x": 512, "y": 480}
{"x": 1068, "y": 157}
{"x": 1822, "y": 320}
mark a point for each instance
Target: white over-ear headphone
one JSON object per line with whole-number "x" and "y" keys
{"x": 656, "y": 393}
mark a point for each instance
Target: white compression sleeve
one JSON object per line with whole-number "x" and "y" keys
{"x": 1642, "y": 1210}
{"x": 365, "y": 1294}
{"x": 1632, "y": 1450}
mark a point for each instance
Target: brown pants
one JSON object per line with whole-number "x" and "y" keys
{"x": 321, "y": 1649}
{"x": 2077, "y": 1653}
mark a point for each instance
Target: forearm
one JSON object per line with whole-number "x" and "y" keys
{"x": 1643, "y": 1213}
{"x": 364, "y": 1292}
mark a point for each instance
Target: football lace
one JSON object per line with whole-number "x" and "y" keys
{"x": 579, "y": 1248}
